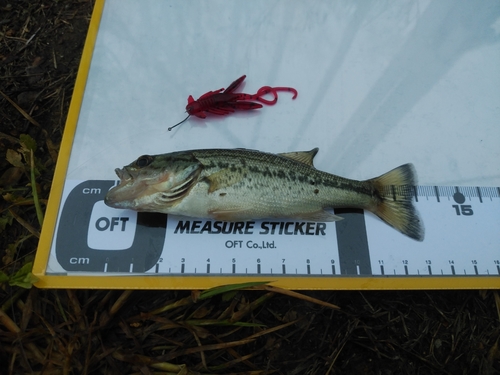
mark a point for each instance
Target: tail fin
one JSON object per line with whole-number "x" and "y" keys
{"x": 395, "y": 190}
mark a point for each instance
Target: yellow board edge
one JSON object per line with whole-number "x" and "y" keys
{"x": 296, "y": 283}
{"x": 48, "y": 228}
{"x": 193, "y": 282}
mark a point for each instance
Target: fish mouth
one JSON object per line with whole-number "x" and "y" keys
{"x": 126, "y": 192}
{"x": 123, "y": 174}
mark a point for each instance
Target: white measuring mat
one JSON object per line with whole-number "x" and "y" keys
{"x": 374, "y": 94}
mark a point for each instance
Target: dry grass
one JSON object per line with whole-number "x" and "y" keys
{"x": 164, "y": 332}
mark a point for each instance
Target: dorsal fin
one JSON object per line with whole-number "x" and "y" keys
{"x": 304, "y": 157}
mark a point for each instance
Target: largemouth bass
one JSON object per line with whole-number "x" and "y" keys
{"x": 241, "y": 185}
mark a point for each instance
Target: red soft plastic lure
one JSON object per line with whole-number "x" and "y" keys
{"x": 223, "y": 102}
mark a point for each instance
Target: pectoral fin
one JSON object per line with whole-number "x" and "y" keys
{"x": 223, "y": 179}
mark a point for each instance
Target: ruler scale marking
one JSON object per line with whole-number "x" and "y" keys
{"x": 436, "y": 193}
{"x": 353, "y": 244}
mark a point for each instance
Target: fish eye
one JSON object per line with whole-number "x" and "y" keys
{"x": 143, "y": 161}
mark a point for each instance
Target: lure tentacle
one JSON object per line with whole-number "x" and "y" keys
{"x": 288, "y": 89}
{"x": 267, "y": 90}
{"x": 245, "y": 106}
{"x": 224, "y": 101}
{"x": 233, "y": 86}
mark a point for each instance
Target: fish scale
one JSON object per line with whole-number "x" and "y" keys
{"x": 289, "y": 179}
{"x": 306, "y": 175}
{"x": 241, "y": 185}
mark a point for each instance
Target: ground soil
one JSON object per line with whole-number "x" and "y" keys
{"x": 177, "y": 332}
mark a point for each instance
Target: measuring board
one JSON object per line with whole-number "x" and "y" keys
{"x": 373, "y": 95}
{"x": 461, "y": 245}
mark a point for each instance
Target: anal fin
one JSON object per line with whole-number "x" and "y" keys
{"x": 235, "y": 214}
{"x": 318, "y": 216}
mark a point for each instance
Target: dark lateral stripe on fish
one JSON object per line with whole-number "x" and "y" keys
{"x": 291, "y": 176}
